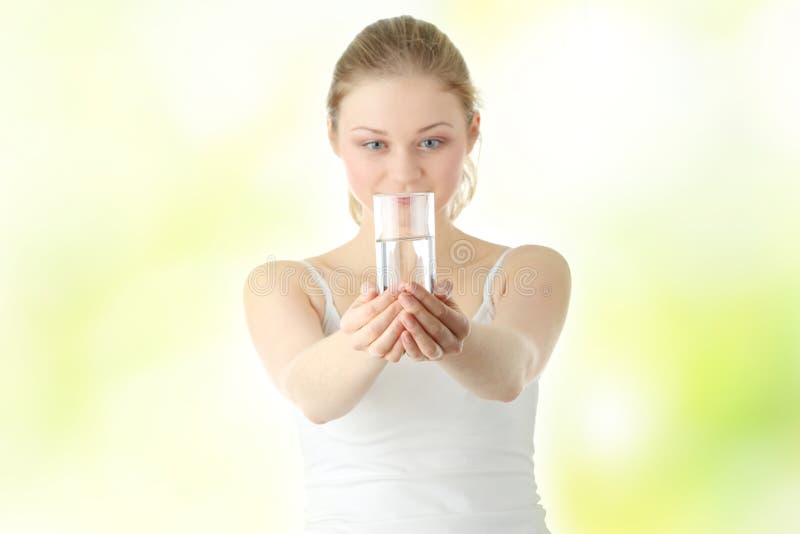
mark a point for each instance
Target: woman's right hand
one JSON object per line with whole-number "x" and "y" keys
{"x": 373, "y": 325}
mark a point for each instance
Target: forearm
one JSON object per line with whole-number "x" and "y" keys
{"x": 493, "y": 363}
{"x": 329, "y": 378}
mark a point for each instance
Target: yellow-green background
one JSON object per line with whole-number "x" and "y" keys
{"x": 153, "y": 152}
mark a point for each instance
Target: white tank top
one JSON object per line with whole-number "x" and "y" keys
{"x": 422, "y": 454}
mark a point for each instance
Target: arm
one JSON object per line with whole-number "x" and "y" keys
{"x": 534, "y": 303}
{"x": 496, "y": 360}
{"x": 528, "y": 320}
{"x": 492, "y": 363}
{"x": 324, "y": 376}
{"x": 329, "y": 378}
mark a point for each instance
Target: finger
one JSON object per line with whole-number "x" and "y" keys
{"x": 415, "y": 355}
{"x": 440, "y": 333}
{"x": 411, "y": 347}
{"x": 443, "y": 288}
{"x": 384, "y": 342}
{"x": 426, "y": 345}
{"x": 368, "y": 337}
{"x": 367, "y": 291}
{"x": 360, "y": 314}
{"x": 447, "y": 311}
{"x": 397, "y": 351}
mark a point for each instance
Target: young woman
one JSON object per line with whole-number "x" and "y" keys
{"x": 415, "y": 447}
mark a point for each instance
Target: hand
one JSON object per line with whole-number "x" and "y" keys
{"x": 373, "y": 325}
{"x": 436, "y": 325}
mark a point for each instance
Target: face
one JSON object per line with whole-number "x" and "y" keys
{"x": 388, "y": 143}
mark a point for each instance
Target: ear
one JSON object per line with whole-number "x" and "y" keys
{"x": 474, "y": 130}
{"x": 332, "y": 136}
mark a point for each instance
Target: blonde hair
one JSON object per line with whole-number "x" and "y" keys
{"x": 405, "y": 46}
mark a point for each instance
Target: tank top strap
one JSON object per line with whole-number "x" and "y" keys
{"x": 330, "y": 309}
{"x": 487, "y": 288}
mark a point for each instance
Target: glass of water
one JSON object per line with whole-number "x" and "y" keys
{"x": 404, "y": 239}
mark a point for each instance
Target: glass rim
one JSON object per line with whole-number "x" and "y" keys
{"x": 402, "y": 194}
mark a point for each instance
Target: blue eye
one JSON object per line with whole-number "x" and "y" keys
{"x": 435, "y": 141}
{"x": 371, "y": 142}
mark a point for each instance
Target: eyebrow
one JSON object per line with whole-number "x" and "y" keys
{"x": 418, "y": 131}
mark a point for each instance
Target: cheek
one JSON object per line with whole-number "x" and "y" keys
{"x": 451, "y": 162}
{"x": 360, "y": 175}
{"x": 449, "y": 172}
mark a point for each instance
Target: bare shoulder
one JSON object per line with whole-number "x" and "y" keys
{"x": 485, "y": 251}
{"x": 534, "y": 268}
{"x": 276, "y": 280}
{"x": 533, "y": 255}
{"x": 279, "y": 315}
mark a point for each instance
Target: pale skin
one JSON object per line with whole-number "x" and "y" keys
{"x": 493, "y": 360}
{"x": 403, "y": 159}
{"x": 425, "y": 326}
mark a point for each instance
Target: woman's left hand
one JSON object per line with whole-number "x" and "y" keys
{"x": 436, "y": 326}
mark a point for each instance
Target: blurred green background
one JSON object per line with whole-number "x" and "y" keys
{"x": 154, "y": 152}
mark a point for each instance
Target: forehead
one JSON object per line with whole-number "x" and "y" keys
{"x": 384, "y": 103}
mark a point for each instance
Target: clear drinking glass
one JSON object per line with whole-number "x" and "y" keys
{"x": 405, "y": 249}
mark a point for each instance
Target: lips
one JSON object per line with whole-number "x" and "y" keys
{"x": 404, "y": 201}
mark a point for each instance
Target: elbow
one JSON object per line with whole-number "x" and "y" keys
{"x": 311, "y": 415}
{"x": 315, "y": 420}
{"x": 314, "y": 417}
{"x": 515, "y": 389}
{"x": 322, "y": 418}
{"x": 511, "y": 394}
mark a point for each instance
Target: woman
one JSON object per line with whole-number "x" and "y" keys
{"x": 417, "y": 447}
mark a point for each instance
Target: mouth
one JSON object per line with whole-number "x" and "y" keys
{"x": 404, "y": 201}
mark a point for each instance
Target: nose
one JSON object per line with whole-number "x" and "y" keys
{"x": 404, "y": 168}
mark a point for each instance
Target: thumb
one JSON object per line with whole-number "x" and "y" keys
{"x": 443, "y": 289}
{"x": 367, "y": 288}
